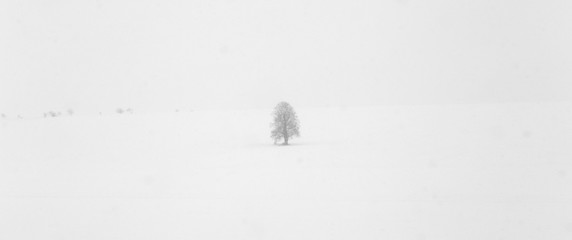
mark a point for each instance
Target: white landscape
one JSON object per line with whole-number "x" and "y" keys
{"x": 156, "y": 119}
{"x": 481, "y": 171}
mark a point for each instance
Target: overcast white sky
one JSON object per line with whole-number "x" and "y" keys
{"x": 94, "y": 55}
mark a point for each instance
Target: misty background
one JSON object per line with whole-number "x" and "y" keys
{"x": 99, "y": 55}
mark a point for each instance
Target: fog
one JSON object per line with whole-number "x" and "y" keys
{"x": 155, "y": 55}
{"x": 418, "y": 119}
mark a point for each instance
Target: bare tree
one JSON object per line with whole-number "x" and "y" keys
{"x": 286, "y": 124}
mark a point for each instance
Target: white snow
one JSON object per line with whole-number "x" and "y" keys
{"x": 489, "y": 171}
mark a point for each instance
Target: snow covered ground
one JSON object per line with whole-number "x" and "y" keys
{"x": 489, "y": 171}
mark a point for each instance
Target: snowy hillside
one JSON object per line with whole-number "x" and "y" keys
{"x": 497, "y": 171}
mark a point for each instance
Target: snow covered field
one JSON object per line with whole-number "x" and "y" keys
{"x": 490, "y": 171}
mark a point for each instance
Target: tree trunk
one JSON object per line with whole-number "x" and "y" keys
{"x": 285, "y": 133}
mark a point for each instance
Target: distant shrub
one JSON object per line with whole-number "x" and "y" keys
{"x": 51, "y": 114}
{"x": 126, "y": 110}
